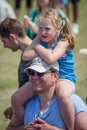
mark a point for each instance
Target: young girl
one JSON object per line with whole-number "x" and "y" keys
{"x": 53, "y": 26}
{"x": 31, "y": 20}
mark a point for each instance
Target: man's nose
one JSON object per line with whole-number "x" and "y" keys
{"x": 35, "y": 75}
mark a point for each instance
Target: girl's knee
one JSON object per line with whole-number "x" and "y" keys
{"x": 64, "y": 97}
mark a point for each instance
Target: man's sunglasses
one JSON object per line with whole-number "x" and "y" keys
{"x": 32, "y": 73}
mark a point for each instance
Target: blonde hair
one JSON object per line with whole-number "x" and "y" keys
{"x": 59, "y": 21}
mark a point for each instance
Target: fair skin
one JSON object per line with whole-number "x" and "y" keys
{"x": 48, "y": 33}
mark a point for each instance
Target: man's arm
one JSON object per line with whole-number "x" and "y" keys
{"x": 16, "y": 128}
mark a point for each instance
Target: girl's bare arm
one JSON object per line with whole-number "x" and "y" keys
{"x": 30, "y": 52}
{"x": 50, "y": 56}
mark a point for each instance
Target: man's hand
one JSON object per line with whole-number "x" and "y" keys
{"x": 8, "y": 113}
{"x": 39, "y": 124}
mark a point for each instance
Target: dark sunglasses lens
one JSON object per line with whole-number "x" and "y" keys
{"x": 40, "y": 74}
{"x": 31, "y": 73}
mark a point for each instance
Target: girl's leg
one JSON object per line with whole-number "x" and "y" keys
{"x": 64, "y": 90}
{"x": 81, "y": 121}
{"x": 18, "y": 99}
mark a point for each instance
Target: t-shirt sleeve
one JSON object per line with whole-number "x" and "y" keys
{"x": 78, "y": 103}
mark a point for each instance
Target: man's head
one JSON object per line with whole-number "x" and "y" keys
{"x": 10, "y": 29}
{"x": 39, "y": 65}
{"x": 41, "y": 74}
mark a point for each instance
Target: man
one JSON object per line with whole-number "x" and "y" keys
{"x": 42, "y": 112}
{"x": 13, "y": 36}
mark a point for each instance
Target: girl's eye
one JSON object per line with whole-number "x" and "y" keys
{"x": 47, "y": 29}
{"x": 40, "y": 29}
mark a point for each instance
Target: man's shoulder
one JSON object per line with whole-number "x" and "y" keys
{"x": 78, "y": 103}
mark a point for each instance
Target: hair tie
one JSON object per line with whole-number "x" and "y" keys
{"x": 63, "y": 17}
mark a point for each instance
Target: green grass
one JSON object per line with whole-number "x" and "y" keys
{"x": 9, "y": 63}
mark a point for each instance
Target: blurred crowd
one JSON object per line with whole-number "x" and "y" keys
{"x": 70, "y": 7}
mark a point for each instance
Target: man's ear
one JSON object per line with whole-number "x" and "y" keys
{"x": 56, "y": 75}
{"x": 12, "y": 36}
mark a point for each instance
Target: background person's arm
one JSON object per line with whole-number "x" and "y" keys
{"x": 31, "y": 25}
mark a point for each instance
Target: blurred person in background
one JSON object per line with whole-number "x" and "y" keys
{"x": 75, "y": 13}
{"x": 6, "y": 10}
{"x": 62, "y": 4}
{"x": 83, "y": 51}
{"x": 18, "y": 6}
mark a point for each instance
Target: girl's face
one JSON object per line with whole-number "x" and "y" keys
{"x": 46, "y": 31}
{"x": 43, "y": 3}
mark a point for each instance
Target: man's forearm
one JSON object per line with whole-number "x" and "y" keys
{"x": 15, "y": 128}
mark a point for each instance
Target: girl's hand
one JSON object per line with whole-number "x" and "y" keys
{"x": 64, "y": 55}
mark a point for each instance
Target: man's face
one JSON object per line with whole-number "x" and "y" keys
{"x": 9, "y": 43}
{"x": 42, "y": 83}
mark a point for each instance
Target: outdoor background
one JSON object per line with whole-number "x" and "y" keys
{"x": 9, "y": 63}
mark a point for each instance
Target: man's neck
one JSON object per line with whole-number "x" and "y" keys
{"x": 46, "y": 98}
{"x": 25, "y": 42}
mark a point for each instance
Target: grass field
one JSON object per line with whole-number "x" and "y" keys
{"x": 9, "y": 63}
